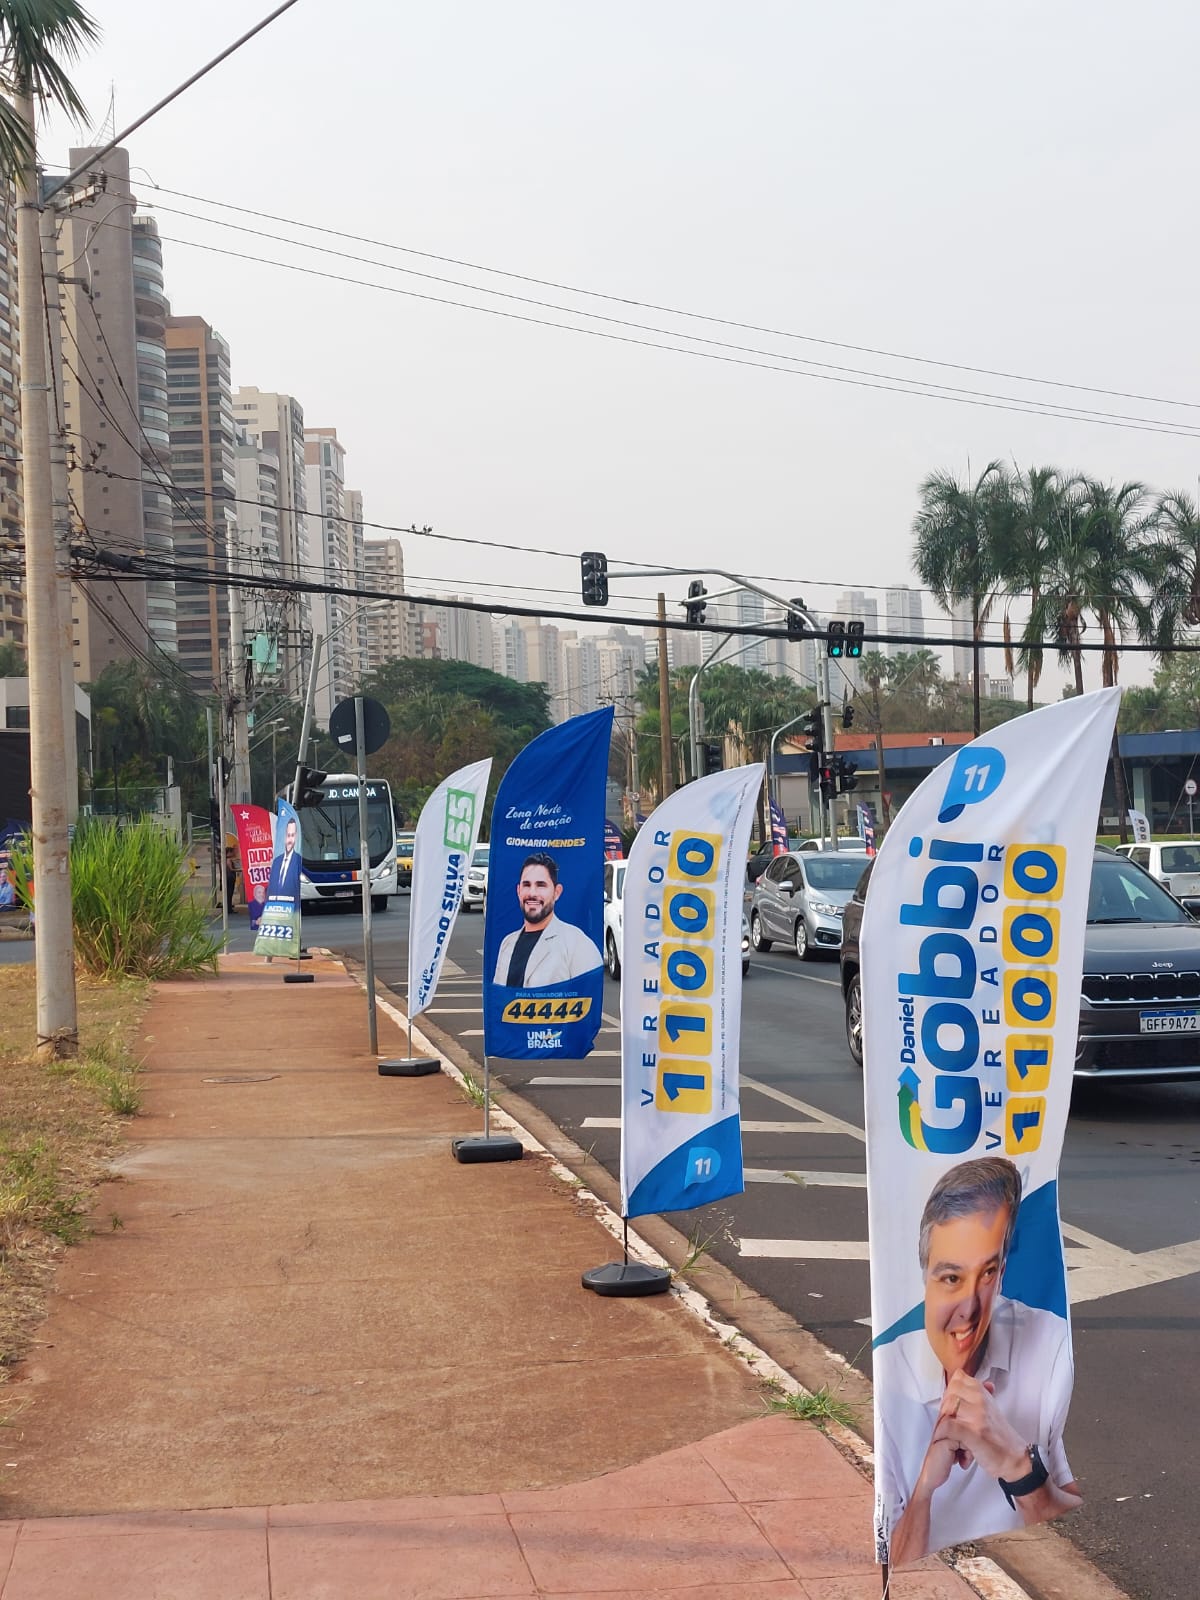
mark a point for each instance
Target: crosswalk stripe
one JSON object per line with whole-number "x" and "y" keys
{"x": 815, "y": 1180}
{"x": 747, "y": 1127}
{"x": 575, "y": 1083}
{"x": 806, "y": 1249}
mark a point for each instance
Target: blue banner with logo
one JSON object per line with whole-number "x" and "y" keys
{"x": 279, "y": 922}
{"x": 543, "y": 973}
{"x": 614, "y": 848}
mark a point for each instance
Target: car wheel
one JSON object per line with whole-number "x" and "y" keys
{"x": 379, "y": 902}
{"x": 854, "y": 1037}
{"x": 612, "y": 960}
{"x": 801, "y": 938}
{"x": 757, "y": 938}
{"x": 745, "y": 969}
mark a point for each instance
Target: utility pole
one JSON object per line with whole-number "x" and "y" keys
{"x": 57, "y": 1027}
{"x": 61, "y": 503}
{"x": 664, "y": 703}
{"x": 240, "y": 787}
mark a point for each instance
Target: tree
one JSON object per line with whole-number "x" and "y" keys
{"x": 1177, "y": 552}
{"x": 875, "y": 670}
{"x": 1027, "y": 543}
{"x": 960, "y": 531}
{"x": 12, "y": 660}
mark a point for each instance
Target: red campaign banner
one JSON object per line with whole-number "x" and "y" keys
{"x": 256, "y": 846}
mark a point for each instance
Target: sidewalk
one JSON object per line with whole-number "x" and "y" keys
{"x": 307, "y": 1355}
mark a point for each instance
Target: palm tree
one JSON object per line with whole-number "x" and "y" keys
{"x": 36, "y": 36}
{"x": 1037, "y": 508}
{"x": 1177, "y": 548}
{"x": 959, "y": 532}
{"x": 875, "y": 670}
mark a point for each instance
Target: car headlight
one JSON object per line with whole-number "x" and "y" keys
{"x": 824, "y": 908}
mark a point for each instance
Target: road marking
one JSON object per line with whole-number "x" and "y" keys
{"x": 806, "y": 1249}
{"x": 815, "y": 1180}
{"x": 452, "y": 1011}
{"x": 808, "y": 977}
{"x": 1106, "y": 1269}
{"x": 829, "y": 1123}
{"x": 747, "y": 1127}
{"x": 575, "y": 1083}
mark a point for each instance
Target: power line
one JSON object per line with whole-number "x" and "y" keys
{"x": 674, "y": 311}
{"x": 898, "y": 387}
{"x": 824, "y": 367}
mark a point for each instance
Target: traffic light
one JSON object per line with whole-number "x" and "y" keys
{"x": 795, "y": 622}
{"x": 813, "y": 741}
{"x": 847, "y": 715}
{"x": 712, "y": 759}
{"x": 827, "y": 781}
{"x": 308, "y": 791}
{"x": 835, "y": 640}
{"x": 694, "y": 606}
{"x": 594, "y": 578}
{"x": 845, "y": 771}
{"x": 854, "y": 640}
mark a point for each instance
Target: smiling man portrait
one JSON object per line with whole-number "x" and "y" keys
{"x": 545, "y": 950}
{"x": 974, "y": 1402}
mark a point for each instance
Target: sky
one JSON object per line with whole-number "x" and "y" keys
{"x": 1003, "y": 187}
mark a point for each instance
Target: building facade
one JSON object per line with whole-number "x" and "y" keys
{"x": 389, "y": 627}
{"x": 337, "y": 616}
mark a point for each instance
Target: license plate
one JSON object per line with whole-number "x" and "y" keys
{"x": 1171, "y": 1021}
{"x": 342, "y": 894}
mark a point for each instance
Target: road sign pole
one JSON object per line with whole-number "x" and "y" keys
{"x": 364, "y": 876}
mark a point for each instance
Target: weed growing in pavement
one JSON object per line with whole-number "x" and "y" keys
{"x": 32, "y": 1195}
{"x": 111, "y": 1071}
{"x": 821, "y": 1405}
{"x": 698, "y": 1248}
{"x": 473, "y": 1090}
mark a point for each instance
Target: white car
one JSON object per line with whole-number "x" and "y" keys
{"x": 475, "y": 892}
{"x": 1175, "y": 863}
{"x": 614, "y": 906}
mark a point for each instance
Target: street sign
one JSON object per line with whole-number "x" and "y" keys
{"x": 1189, "y": 787}
{"x": 376, "y": 725}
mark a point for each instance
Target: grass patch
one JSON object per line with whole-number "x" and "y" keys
{"x": 60, "y": 1123}
{"x": 822, "y": 1405}
{"x": 473, "y": 1090}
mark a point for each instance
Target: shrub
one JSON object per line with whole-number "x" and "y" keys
{"x": 132, "y": 913}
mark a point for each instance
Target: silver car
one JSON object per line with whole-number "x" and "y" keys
{"x": 801, "y": 897}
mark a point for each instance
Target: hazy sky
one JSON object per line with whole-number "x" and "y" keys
{"x": 1006, "y": 187}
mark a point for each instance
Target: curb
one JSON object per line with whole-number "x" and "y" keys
{"x": 1035, "y": 1564}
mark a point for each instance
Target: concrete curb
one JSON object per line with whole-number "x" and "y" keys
{"x": 1035, "y": 1564}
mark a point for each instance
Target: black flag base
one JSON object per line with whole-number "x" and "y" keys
{"x": 627, "y": 1278}
{"x": 410, "y": 1066}
{"x": 496, "y": 1147}
{"x": 299, "y": 977}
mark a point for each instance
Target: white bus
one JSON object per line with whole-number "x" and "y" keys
{"x": 330, "y": 866}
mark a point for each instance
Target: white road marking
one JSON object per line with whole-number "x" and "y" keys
{"x": 453, "y": 1011}
{"x": 806, "y": 1249}
{"x": 808, "y": 977}
{"x": 815, "y": 1180}
{"x": 829, "y": 1123}
{"x": 575, "y": 1083}
{"x": 1106, "y": 1269}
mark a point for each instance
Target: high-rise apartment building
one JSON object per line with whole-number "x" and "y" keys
{"x": 203, "y": 467}
{"x": 339, "y": 617}
{"x": 113, "y": 449}
{"x": 256, "y": 548}
{"x": 12, "y": 536}
{"x": 389, "y": 627}
{"x": 151, "y": 310}
{"x": 904, "y": 616}
{"x": 962, "y": 654}
{"x": 275, "y": 422}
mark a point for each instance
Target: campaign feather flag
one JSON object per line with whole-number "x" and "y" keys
{"x": 681, "y": 996}
{"x": 446, "y": 834}
{"x": 972, "y": 956}
{"x": 543, "y": 973}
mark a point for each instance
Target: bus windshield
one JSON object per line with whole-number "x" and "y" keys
{"x": 329, "y": 831}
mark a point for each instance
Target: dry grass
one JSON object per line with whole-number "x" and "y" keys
{"x": 59, "y": 1124}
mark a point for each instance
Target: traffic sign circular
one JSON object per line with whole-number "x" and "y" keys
{"x": 1189, "y": 787}
{"x": 376, "y": 725}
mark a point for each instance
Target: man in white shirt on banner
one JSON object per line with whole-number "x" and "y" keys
{"x": 544, "y": 951}
{"x": 974, "y": 1403}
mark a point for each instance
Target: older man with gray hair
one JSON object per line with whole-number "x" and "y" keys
{"x": 974, "y": 1403}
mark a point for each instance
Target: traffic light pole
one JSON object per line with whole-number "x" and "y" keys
{"x": 693, "y": 695}
{"x": 306, "y": 723}
{"x": 827, "y": 721}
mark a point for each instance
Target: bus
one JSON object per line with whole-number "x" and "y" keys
{"x": 329, "y": 848}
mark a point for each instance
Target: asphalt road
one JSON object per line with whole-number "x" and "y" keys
{"x": 1130, "y": 1184}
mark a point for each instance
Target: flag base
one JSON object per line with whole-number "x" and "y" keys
{"x": 299, "y": 977}
{"x": 624, "y": 1279}
{"x": 498, "y": 1147}
{"x": 410, "y": 1067}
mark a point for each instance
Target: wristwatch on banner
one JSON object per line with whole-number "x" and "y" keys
{"x": 1014, "y": 1488}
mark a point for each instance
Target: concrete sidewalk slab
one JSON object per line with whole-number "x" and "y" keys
{"x": 686, "y": 1522}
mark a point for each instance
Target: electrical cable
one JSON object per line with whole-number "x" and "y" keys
{"x": 674, "y": 311}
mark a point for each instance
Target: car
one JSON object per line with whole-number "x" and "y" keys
{"x": 1139, "y": 1013}
{"x": 758, "y": 864}
{"x": 404, "y": 855}
{"x": 614, "y": 905}
{"x": 475, "y": 889}
{"x": 1175, "y": 863}
{"x": 846, "y": 845}
{"x": 800, "y": 898}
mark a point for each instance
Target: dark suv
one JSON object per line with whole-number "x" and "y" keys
{"x": 1139, "y": 1014}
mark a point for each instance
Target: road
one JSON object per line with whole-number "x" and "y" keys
{"x": 1131, "y": 1201}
